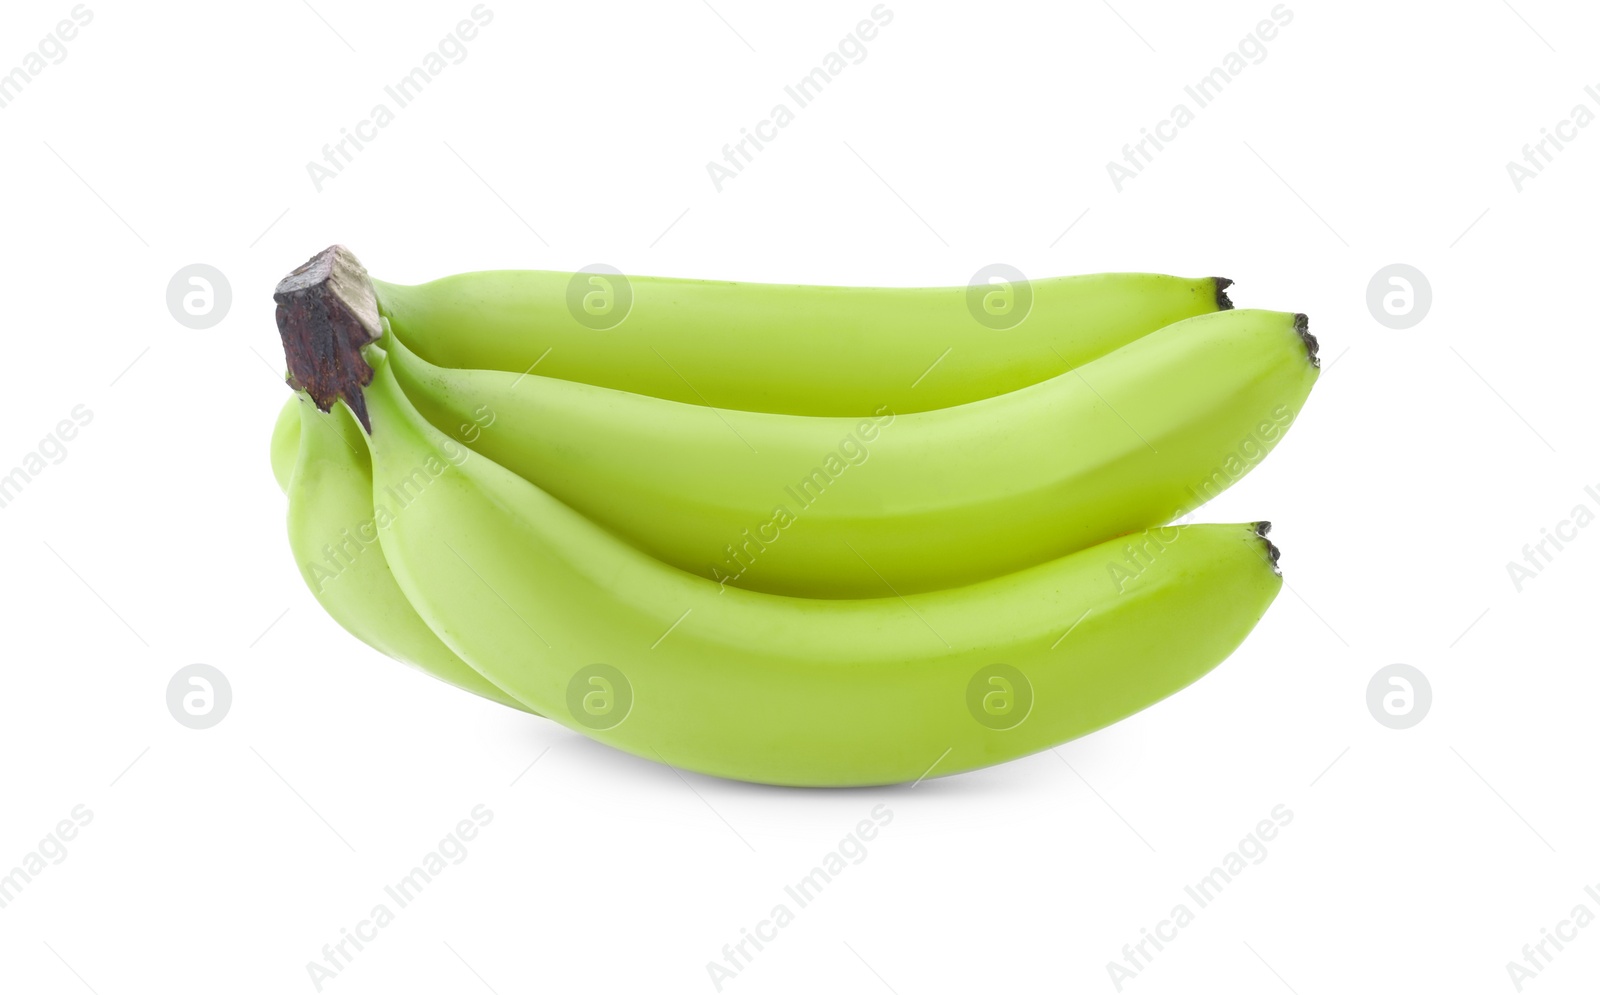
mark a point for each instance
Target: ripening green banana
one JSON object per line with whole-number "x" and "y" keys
{"x": 896, "y": 503}
{"x": 333, "y": 533}
{"x": 585, "y": 628}
{"x": 806, "y": 350}
{"x": 286, "y": 442}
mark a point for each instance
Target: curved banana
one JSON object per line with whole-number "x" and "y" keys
{"x": 793, "y": 349}
{"x": 758, "y": 687}
{"x": 286, "y": 443}
{"x": 896, "y": 503}
{"x": 331, "y": 516}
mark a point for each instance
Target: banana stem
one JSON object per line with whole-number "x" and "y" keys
{"x": 328, "y": 310}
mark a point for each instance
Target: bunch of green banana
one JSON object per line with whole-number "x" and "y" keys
{"x": 967, "y": 581}
{"x": 836, "y": 507}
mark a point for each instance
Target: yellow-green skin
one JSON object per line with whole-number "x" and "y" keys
{"x": 331, "y": 514}
{"x": 783, "y": 690}
{"x": 896, "y": 503}
{"x": 286, "y": 443}
{"x": 791, "y": 349}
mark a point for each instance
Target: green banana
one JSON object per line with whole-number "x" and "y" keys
{"x": 331, "y": 515}
{"x": 596, "y": 634}
{"x": 897, "y": 503}
{"x": 844, "y": 351}
{"x": 286, "y": 442}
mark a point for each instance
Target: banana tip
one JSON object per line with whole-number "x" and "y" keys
{"x": 1302, "y": 324}
{"x": 1224, "y": 302}
{"x": 1262, "y": 528}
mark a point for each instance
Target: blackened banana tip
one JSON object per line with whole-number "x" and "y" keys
{"x": 1302, "y": 324}
{"x": 1224, "y": 302}
{"x": 1262, "y": 528}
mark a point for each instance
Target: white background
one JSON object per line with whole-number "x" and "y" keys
{"x": 1372, "y": 133}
